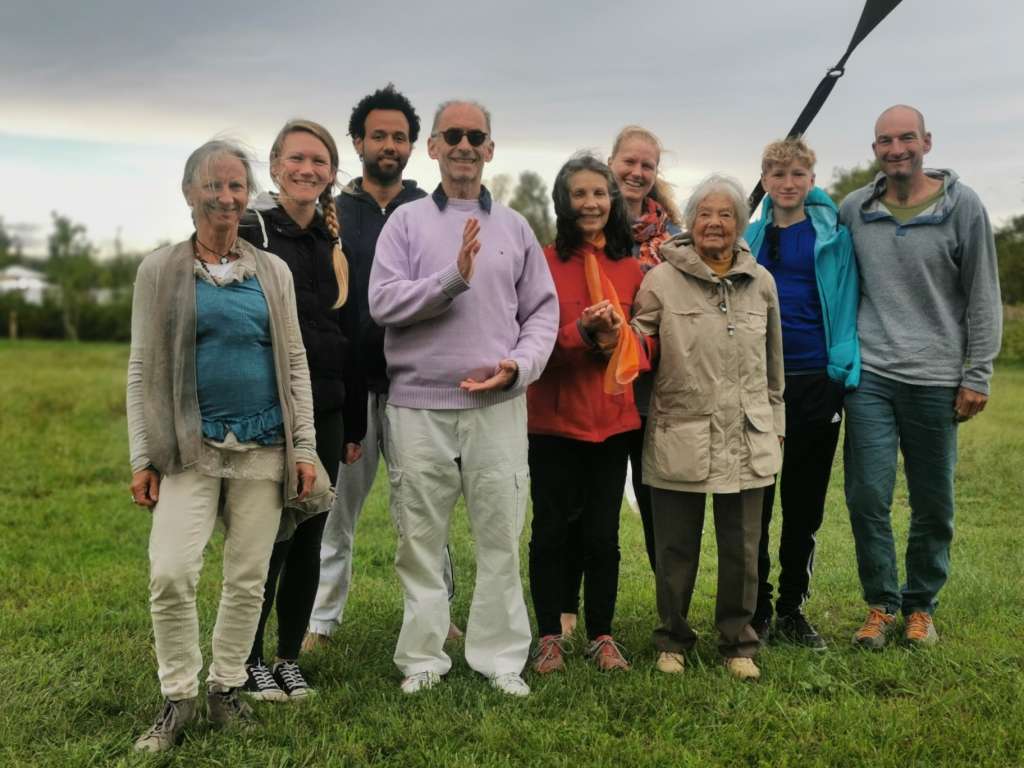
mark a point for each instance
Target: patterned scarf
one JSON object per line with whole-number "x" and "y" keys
{"x": 649, "y": 232}
{"x": 624, "y": 364}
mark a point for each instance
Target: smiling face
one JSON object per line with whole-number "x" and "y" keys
{"x": 462, "y": 164}
{"x": 901, "y": 143}
{"x": 787, "y": 185}
{"x": 219, "y": 193}
{"x": 714, "y": 226}
{"x": 302, "y": 169}
{"x": 635, "y": 167}
{"x": 385, "y": 148}
{"x": 590, "y": 201}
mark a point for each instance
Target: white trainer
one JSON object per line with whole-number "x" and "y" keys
{"x": 510, "y": 683}
{"x": 420, "y": 681}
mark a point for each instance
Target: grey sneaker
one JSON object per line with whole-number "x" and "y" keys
{"x": 225, "y": 708}
{"x": 875, "y": 630}
{"x": 165, "y": 732}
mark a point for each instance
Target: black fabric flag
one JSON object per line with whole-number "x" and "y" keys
{"x": 872, "y": 15}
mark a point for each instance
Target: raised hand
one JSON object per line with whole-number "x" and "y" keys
{"x": 470, "y": 248}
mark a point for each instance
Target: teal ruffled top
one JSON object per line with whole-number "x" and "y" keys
{"x": 235, "y": 377}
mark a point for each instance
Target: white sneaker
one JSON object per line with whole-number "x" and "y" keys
{"x": 420, "y": 681}
{"x": 510, "y": 683}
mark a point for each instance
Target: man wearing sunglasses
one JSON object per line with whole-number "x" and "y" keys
{"x": 462, "y": 288}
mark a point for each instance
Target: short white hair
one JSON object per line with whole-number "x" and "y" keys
{"x": 717, "y": 183}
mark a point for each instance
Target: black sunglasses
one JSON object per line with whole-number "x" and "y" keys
{"x": 453, "y": 136}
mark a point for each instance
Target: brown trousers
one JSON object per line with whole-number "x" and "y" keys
{"x": 678, "y": 523}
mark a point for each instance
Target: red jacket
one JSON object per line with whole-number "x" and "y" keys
{"x": 569, "y": 399}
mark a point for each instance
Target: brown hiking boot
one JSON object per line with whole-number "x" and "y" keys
{"x": 872, "y": 633}
{"x": 607, "y": 654}
{"x": 920, "y": 630}
{"x": 547, "y": 657}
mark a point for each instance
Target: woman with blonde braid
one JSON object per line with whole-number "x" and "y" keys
{"x": 300, "y": 226}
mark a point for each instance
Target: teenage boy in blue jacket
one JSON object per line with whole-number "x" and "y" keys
{"x": 810, "y": 254}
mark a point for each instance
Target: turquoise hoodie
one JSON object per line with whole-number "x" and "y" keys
{"x": 838, "y": 284}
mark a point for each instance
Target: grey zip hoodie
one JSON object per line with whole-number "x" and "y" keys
{"x": 930, "y": 311}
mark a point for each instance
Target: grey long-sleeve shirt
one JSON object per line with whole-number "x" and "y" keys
{"x": 930, "y": 311}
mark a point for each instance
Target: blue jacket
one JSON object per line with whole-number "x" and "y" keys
{"x": 838, "y": 283}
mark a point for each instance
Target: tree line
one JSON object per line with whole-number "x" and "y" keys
{"x": 91, "y": 297}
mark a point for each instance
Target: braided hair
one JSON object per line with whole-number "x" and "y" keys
{"x": 326, "y": 200}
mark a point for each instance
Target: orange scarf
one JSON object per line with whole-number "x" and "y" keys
{"x": 624, "y": 364}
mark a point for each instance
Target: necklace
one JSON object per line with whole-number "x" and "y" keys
{"x": 222, "y": 257}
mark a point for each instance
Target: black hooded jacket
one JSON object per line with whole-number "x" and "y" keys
{"x": 325, "y": 331}
{"x": 361, "y": 222}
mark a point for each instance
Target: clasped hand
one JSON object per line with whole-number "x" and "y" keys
{"x": 602, "y": 322}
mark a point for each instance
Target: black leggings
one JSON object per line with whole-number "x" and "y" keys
{"x": 574, "y": 557}
{"x": 294, "y": 573}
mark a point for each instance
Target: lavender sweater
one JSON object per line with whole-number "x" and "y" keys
{"x": 441, "y": 329}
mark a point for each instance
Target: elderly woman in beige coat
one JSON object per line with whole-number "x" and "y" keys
{"x": 717, "y": 418}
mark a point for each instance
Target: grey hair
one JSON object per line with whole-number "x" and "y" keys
{"x": 451, "y": 103}
{"x": 718, "y": 183}
{"x": 204, "y": 154}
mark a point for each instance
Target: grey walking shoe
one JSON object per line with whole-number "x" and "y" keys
{"x": 225, "y": 708}
{"x": 165, "y": 732}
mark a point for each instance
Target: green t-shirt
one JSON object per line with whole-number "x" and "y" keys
{"x": 903, "y": 214}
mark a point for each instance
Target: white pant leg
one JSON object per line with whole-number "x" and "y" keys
{"x": 252, "y": 516}
{"x": 183, "y": 521}
{"x": 496, "y": 483}
{"x": 422, "y": 446}
{"x": 336, "y": 548}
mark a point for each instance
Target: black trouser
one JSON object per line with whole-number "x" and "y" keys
{"x": 294, "y": 573}
{"x": 576, "y": 489}
{"x": 812, "y": 402}
{"x": 574, "y": 558}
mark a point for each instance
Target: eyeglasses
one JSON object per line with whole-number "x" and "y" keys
{"x": 453, "y": 136}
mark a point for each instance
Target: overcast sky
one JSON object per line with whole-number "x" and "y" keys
{"x": 102, "y": 101}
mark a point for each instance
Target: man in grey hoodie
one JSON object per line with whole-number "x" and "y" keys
{"x": 930, "y": 324}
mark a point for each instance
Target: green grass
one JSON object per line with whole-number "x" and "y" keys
{"x": 78, "y": 674}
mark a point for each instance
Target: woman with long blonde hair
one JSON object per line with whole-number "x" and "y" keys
{"x": 300, "y": 225}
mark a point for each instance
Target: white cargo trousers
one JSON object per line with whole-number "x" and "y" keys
{"x": 337, "y": 546}
{"x": 434, "y": 456}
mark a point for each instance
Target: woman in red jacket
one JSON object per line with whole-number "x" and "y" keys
{"x": 581, "y": 410}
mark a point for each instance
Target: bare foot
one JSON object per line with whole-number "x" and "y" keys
{"x": 454, "y": 633}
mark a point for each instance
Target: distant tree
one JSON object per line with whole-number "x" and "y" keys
{"x": 500, "y": 187}
{"x": 70, "y": 266}
{"x": 10, "y": 247}
{"x": 1010, "y": 247}
{"x": 531, "y": 200}
{"x": 845, "y": 180}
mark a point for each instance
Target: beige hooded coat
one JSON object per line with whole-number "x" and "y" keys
{"x": 717, "y": 412}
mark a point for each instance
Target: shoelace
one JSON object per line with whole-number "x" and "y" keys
{"x": 917, "y": 625}
{"x": 263, "y": 677}
{"x": 292, "y": 675}
{"x": 165, "y": 722}
{"x": 230, "y": 699}
{"x": 547, "y": 645}
{"x": 875, "y": 624}
{"x": 606, "y": 647}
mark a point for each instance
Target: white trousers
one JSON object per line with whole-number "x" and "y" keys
{"x": 434, "y": 456}
{"x": 336, "y": 548}
{"x": 183, "y": 521}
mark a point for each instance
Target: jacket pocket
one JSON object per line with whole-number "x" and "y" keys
{"x": 682, "y": 449}
{"x": 762, "y": 442}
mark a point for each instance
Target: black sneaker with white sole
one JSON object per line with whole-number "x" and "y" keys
{"x": 290, "y": 680}
{"x": 261, "y": 685}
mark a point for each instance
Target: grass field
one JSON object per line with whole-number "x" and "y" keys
{"x": 78, "y": 674}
